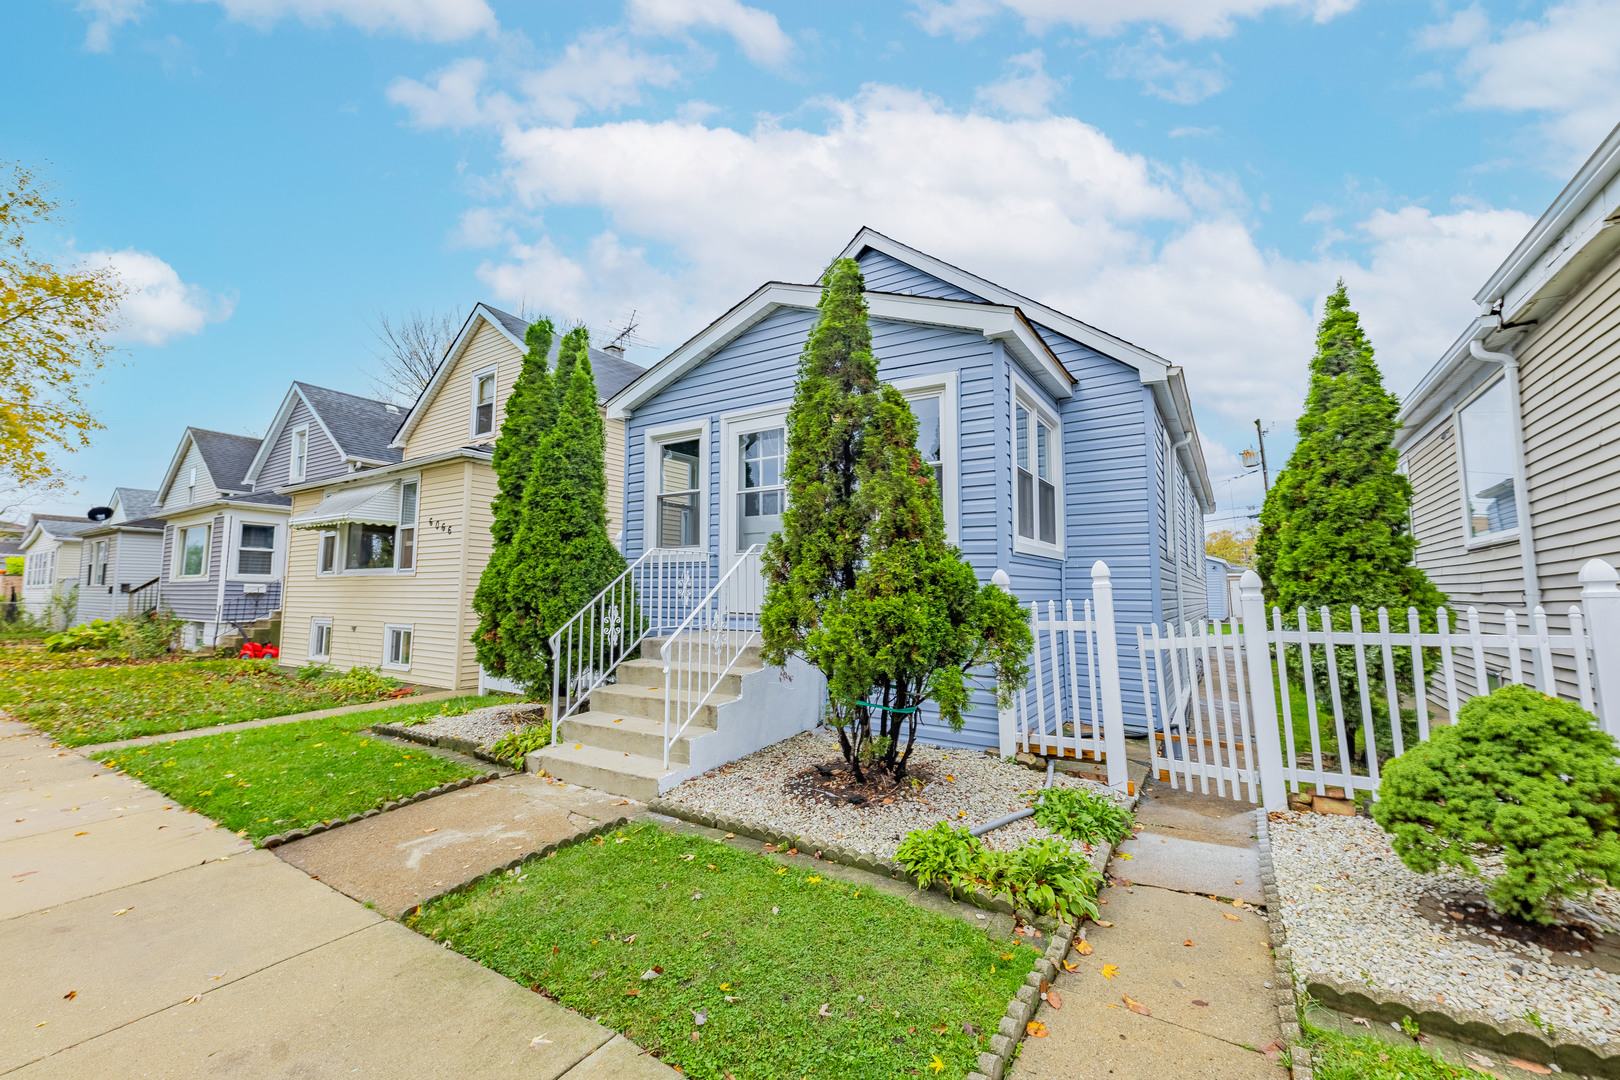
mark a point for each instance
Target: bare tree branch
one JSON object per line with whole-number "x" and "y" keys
{"x": 408, "y": 351}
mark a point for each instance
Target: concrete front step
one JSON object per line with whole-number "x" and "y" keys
{"x": 647, "y": 702}
{"x": 634, "y": 735}
{"x": 631, "y": 775}
{"x": 696, "y": 650}
{"x": 650, "y": 673}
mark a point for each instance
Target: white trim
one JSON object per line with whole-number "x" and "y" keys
{"x": 337, "y": 553}
{"x": 481, "y": 313}
{"x": 261, "y": 456}
{"x": 732, "y": 425}
{"x": 651, "y": 439}
{"x": 1465, "y": 507}
{"x": 178, "y": 558}
{"x": 369, "y": 476}
{"x": 298, "y": 471}
{"x": 950, "y": 449}
{"x": 493, "y": 373}
{"x": 278, "y": 553}
{"x": 1044, "y": 412}
{"x": 388, "y": 631}
{"x": 996, "y": 322}
{"x": 320, "y": 622}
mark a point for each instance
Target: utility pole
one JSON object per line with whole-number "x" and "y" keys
{"x": 1265, "y": 477}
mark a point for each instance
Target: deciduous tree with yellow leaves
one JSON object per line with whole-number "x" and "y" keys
{"x": 55, "y": 332}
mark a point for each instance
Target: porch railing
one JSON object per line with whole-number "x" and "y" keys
{"x": 144, "y": 598}
{"x": 709, "y": 642}
{"x": 652, "y": 596}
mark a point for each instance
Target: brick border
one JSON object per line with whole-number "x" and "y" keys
{"x": 443, "y": 742}
{"x": 1511, "y": 1036}
{"x": 1290, "y": 995}
{"x": 275, "y": 840}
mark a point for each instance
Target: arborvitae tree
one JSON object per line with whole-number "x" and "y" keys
{"x": 561, "y": 555}
{"x": 1335, "y": 529}
{"x": 860, "y": 581}
{"x": 531, "y": 411}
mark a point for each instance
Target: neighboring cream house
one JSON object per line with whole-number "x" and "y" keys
{"x": 1509, "y": 440}
{"x": 383, "y": 560}
{"x": 51, "y": 554}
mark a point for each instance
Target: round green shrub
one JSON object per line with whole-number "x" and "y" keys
{"x": 1521, "y": 775}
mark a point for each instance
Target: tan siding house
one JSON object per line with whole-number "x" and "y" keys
{"x": 384, "y": 561}
{"x": 1510, "y": 440}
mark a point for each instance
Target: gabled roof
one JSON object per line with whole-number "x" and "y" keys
{"x": 56, "y": 526}
{"x": 612, "y": 372}
{"x": 361, "y": 428}
{"x": 226, "y": 456}
{"x": 134, "y": 502}
{"x": 997, "y": 322}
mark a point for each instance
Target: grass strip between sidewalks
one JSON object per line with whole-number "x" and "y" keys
{"x": 721, "y": 961}
{"x": 268, "y": 780}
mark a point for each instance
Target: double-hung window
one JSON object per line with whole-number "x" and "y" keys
{"x": 256, "y": 551}
{"x": 192, "y": 544}
{"x": 98, "y": 564}
{"x": 327, "y": 559}
{"x": 1489, "y": 506}
{"x": 1037, "y": 470}
{"x": 405, "y": 545}
{"x": 483, "y": 414}
{"x": 299, "y": 465}
{"x": 397, "y": 647}
{"x": 320, "y": 639}
{"x": 678, "y": 509}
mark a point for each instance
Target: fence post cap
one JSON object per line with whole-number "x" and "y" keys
{"x": 1100, "y": 571}
{"x": 1000, "y": 578}
{"x": 1250, "y": 585}
{"x": 1598, "y": 576}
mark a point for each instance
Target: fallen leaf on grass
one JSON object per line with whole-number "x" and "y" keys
{"x": 694, "y": 1036}
{"x": 70, "y": 995}
{"x": 597, "y": 975}
{"x": 1083, "y": 947}
{"x": 700, "y": 1016}
{"x": 1109, "y": 971}
{"x": 630, "y": 940}
{"x": 938, "y": 1064}
{"x": 1229, "y": 915}
{"x": 632, "y": 992}
{"x": 1054, "y": 999}
{"x": 1135, "y": 1006}
{"x": 969, "y": 1030}
{"x": 652, "y": 972}
{"x": 1529, "y": 1066}
{"x": 940, "y": 1028}
{"x": 1006, "y": 956}
{"x": 824, "y": 1011}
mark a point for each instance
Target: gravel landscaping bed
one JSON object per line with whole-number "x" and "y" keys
{"x": 481, "y": 727}
{"x": 1351, "y": 909}
{"x": 964, "y": 787}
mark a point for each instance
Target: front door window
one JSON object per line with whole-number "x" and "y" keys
{"x": 761, "y": 458}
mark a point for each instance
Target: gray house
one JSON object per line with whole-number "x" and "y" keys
{"x": 319, "y": 434}
{"x": 224, "y": 544}
{"x": 120, "y": 555}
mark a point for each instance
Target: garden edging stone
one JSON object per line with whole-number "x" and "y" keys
{"x": 443, "y": 742}
{"x": 1288, "y": 992}
{"x": 275, "y": 840}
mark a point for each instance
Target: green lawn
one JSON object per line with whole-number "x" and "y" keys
{"x": 82, "y": 700}
{"x": 755, "y": 944}
{"x": 288, "y": 776}
{"x": 1339, "y": 1057}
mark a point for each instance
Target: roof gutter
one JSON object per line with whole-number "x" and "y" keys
{"x": 1521, "y": 488}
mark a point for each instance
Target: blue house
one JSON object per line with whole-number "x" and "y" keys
{"x": 1057, "y": 444}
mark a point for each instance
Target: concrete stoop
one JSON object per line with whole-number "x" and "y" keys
{"x": 616, "y": 743}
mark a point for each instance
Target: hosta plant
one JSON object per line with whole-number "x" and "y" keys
{"x": 1045, "y": 876}
{"x": 1082, "y": 815}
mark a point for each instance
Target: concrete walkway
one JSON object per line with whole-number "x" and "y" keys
{"x": 143, "y": 941}
{"x": 1200, "y": 968}
{"x": 266, "y": 721}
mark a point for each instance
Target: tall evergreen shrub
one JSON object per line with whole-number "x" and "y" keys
{"x": 860, "y": 581}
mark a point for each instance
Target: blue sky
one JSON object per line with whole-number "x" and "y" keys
{"x": 1192, "y": 175}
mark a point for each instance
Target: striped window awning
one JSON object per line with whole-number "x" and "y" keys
{"x": 375, "y": 504}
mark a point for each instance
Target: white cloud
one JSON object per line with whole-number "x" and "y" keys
{"x": 1026, "y": 90}
{"x": 431, "y": 20}
{"x": 1177, "y": 81}
{"x": 1565, "y": 65}
{"x": 159, "y": 307}
{"x": 756, "y": 32}
{"x": 452, "y": 101}
{"x": 1188, "y": 18}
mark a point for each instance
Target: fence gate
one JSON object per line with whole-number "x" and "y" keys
{"x": 1200, "y": 726}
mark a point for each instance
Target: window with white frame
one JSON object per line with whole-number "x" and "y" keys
{"x": 369, "y": 547}
{"x": 256, "y": 550}
{"x": 327, "y": 554}
{"x": 761, "y": 494}
{"x": 483, "y": 410}
{"x": 397, "y": 647}
{"x": 299, "y": 465}
{"x": 405, "y": 543}
{"x": 320, "y": 639}
{"x": 926, "y": 408}
{"x": 191, "y": 550}
{"x": 1489, "y": 506}
{"x": 38, "y": 567}
{"x": 101, "y": 560}
{"x": 1037, "y": 473}
{"x": 678, "y": 510}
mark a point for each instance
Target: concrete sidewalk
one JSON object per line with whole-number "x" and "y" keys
{"x": 143, "y": 941}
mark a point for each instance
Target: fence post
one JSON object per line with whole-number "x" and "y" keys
{"x": 1600, "y": 602}
{"x": 1007, "y": 719}
{"x": 1113, "y": 700}
{"x": 1262, "y": 695}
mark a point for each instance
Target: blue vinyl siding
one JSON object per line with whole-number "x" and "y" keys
{"x": 884, "y": 273}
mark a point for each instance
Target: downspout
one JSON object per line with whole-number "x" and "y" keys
{"x": 1174, "y": 461}
{"x": 1521, "y": 487}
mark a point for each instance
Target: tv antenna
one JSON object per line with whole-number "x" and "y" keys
{"x": 628, "y": 336}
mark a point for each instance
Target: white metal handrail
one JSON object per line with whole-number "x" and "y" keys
{"x": 709, "y": 642}
{"x": 655, "y": 592}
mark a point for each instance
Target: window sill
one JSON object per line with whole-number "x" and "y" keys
{"x": 1495, "y": 539}
{"x": 1022, "y": 546}
{"x": 394, "y": 667}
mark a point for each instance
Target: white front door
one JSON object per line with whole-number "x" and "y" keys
{"x": 753, "y": 496}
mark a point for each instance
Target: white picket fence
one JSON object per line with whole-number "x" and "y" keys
{"x": 1213, "y": 714}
